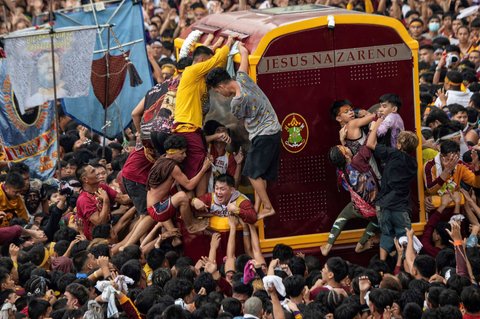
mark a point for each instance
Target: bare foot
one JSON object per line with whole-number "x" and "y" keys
{"x": 176, "y": 241}
{"x": 198, "y": 226}
{"x": 361, "y": 248}
{"x": 325, "y": 249}
{"x": 266, "y": 212}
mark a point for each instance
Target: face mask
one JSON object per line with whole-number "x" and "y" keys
{"x": 434, "y": 26}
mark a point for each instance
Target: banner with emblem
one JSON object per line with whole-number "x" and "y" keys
{"x": 30, "y": 64}
{"x": 113, "y": 50}
{"x": 30, "y": 137}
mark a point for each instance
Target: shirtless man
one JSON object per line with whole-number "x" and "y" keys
{"x": 161, "y": 205}
{"x": 342, "y": 111}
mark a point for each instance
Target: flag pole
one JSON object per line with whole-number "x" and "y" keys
{"x": 107, "y": 86}
{"x": 57, "y": 120}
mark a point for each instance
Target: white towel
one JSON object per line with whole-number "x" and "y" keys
{"x": 269, "y": 281}
{"x": 417, "y": 245}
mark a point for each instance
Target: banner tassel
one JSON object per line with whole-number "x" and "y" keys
{"x": 135, "y": 79}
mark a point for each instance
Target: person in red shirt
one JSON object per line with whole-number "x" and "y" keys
{"x": 93, "y": 203}
{"x": 225, "y": 201}
{"x": 134, "y": 178}
{"x": 224, "y": 162}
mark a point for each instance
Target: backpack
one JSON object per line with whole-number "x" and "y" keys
{"x": 362, "y": 206}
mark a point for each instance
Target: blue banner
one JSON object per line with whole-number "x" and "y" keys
{"x": 30, "y": 138}
{"x": 127, "y": 20}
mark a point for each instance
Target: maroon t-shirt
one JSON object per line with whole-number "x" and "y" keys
{"x": 137, "y": 167}
{"x": 88, "y": 204}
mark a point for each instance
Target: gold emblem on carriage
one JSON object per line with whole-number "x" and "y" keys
{"x": 294, "y": 132}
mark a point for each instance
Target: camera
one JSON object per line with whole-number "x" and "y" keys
{"x": 451, "y": 59}
{"x": 67, "y": 189}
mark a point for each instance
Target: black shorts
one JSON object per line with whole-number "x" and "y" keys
{"x": 263, "y": 157}
{"x": 138, "y": 194}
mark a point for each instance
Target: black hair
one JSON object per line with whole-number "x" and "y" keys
{"x": 79, "y": 292}
{"x": 160, "y": 276}
{"x": 297, "y": 266}
{"x": 101, "y": 231}
{"x": 381, "y": 299}
{"x": 419, "y": 284}
{"x": 241, "y": 288}
{"x": 457, "y": 283}
{"x": 456, "y": 108}
{"x": 455, "y": 77}
{"x": 204, "y": 280}
{"x": 100, "y": 250}
{"x": 61, "y": 247}
{"x": 225, "y": 178}
{"x": 448, "y": 146}
{"x": 410, "y": 295}
{"x": 20, "y": 168}
{"x": 241, "y": 261}
{"x": 445, "y": 258}
{"x": 232, "y": 306}
{"x": 201, "y": 50}
{"x": 147, "y": 298}
{"x": 37, "y": 308}
{"x": 64, "y": 281}
{"x": 15, "y": 180}
{"x": 184, "y": 62}
{"x": 475, "y": 99}
{"x": 434, "y": 296}
{"x": 452, "y": 48}
{"x": 216, "y": 77}
{"x": 411, "y": 12}
{"x": 338, "y": 267}
{"x": 294, "y": 285}
{"x": 449, "y": 312}
{"x": 65, "y": 233}
{"x": 347, "y": 311}
{"x": 155, "y": 258}
{"x": 437, "y": 114}
{"x": 412, "y": 311}
{"x": 175, "y": 141}
{"x": 282, "y": 252}
{"x": 211, "y": 126}
{"x": 178, "y": 288}
{"x": 391, "y": 98}
{"x": 80, "y": 259}
{"x": 449, "y": 297}
{"x": 470, "y": 297}
{"x": 335, "y": 108}
{"x": 162, "y": 303}
{"x": 132, "y": 269}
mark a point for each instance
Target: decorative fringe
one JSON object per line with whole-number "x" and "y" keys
{"x": 135, "y": 79}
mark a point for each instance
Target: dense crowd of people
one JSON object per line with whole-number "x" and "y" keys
{"x": 105, "y": 237}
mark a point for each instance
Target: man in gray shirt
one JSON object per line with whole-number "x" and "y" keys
{"x": 252, "y": 106}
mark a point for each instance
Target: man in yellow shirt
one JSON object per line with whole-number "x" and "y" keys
{"x": 192, "y": 97}
{"x": 11, "y": 202}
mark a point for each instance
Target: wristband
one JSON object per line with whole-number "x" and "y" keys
{"x": 458, "y": 243}
{"x": 246, "y": 233}
{"x": 191, "y": 201}
{"x": 297, "y": 314}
